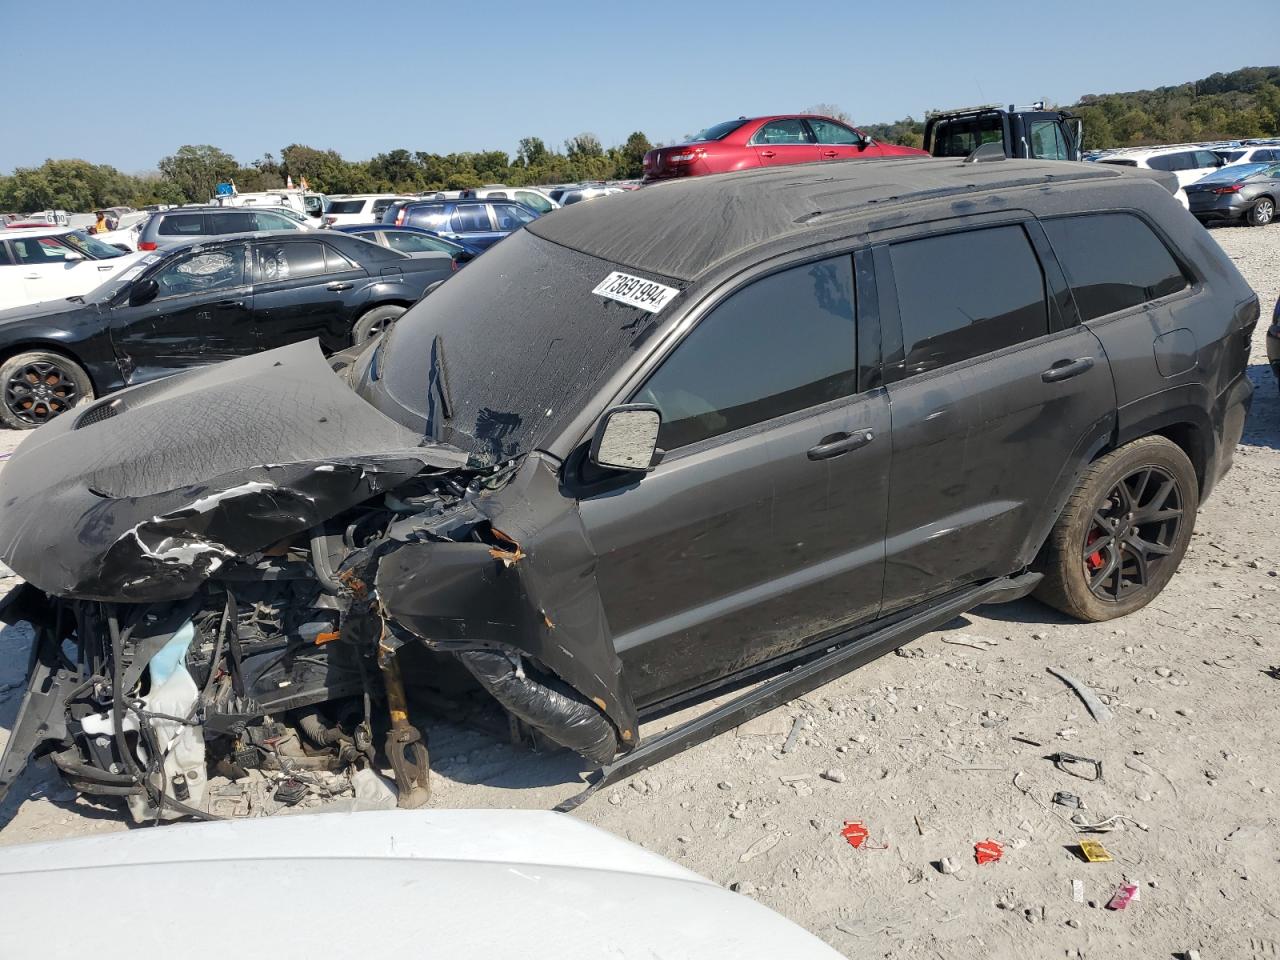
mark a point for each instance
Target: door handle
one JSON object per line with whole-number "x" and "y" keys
{"x": 767, "y": 154}
{"x": 829, "y": 154}
{"x": 106, "y": 266}
{"x": 840, "y": 443}
{"x": 31, "y": 276}
{"x": 338, "y": 285}
{"x": 228, "y": 304}
{"x": 1066, "y": 369}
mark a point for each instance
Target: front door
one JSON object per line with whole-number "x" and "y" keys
{"x": 785, "y": 141}
{"x": 303, "y": 289}
{"x": 998, "y": 400}
{"x": 763, "y": 526}
{"x": 838, "y": 142}
{"x": 202, "y": 314}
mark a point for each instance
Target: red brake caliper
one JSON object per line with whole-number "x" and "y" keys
{"x": 1095, "y": 559}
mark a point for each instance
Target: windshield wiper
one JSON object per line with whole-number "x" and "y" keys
{"x": 438, "y": 384}
{"x": 77, "y": 298}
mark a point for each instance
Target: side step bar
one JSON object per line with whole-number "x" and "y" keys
{"x": 847, "y": 654}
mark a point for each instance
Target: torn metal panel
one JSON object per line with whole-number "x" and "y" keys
{"x": 534, "y": 591}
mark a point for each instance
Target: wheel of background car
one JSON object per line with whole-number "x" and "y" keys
{"x": 40, "y": 385}
{"x": 374, "y": 322}
{"x": 1123, "y": 532}
{"x": 1261, "y": 213}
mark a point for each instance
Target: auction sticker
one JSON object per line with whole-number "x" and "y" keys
{"x": 635, "y": 291}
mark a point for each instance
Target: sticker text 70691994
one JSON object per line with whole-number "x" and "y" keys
{"x": 635, "y": 291}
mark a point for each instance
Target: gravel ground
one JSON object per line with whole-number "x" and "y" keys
{"x": 929, "y": 749}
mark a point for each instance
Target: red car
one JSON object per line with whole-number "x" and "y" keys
{"x": 744, "y": 144}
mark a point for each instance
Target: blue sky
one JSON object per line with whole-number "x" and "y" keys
{"x": 127, "y": 82}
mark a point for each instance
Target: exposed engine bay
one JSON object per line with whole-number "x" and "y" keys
{"x": 255, "y": 622}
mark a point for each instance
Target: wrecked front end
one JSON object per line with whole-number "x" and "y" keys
{"x": 189, "y": 627}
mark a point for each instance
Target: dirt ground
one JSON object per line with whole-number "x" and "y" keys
{"x": 930, "y": 750}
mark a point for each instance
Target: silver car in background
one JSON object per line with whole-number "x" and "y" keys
{"x": 187, "y": 224}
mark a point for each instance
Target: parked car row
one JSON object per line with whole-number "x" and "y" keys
{"x": 198, "y": 303}
{"x": 50, "y": 263}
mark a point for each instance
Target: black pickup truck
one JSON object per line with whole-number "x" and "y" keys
{"x": 1031, "y": 133}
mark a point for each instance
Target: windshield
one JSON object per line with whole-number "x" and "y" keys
{"x": 718, "y": 132}
{"x": 525, "y": 343}
{"x": 1240, "y": 171}
{"x": 117, "y": 282}
{"x": 91, "y": 247}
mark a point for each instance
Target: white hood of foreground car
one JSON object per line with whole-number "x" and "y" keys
{"x": 461, "y": 884}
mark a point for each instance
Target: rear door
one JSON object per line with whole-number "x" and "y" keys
{"x": 839, "y": 142}
{"x": 784, "y": 141}
{"x": 998, "y": 396}
{"x": 763, "y": 526}
{"x": 302, "y": 289}
{"x": 202, "y": 314}
{"x": 472, "y": 221}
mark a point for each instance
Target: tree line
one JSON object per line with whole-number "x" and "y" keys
{"x": 192, "y": 173}
{"x": 1241, "y": 104}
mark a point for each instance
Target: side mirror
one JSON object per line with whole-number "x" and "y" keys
{"x": 627, "y": 438}
{"x": 143, "y": 292}
{"x": 864, "y": 142}
{"x": 71, "y": 256}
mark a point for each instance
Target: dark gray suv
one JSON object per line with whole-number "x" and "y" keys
{"x": 761, "y": 426}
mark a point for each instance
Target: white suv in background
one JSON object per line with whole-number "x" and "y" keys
{"x": 1188, "y": 163}
{"x": 1251, "y": 153}
{"x": 50, "y": 263}
{"x": 359, "y": 207}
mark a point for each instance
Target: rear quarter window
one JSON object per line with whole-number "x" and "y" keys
{"x": 349, "y": 206}
{"x": 184, "y": 225}
{"x": 1113, "y": 261}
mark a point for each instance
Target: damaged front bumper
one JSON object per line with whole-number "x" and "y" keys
{"x": 221, "y": 567}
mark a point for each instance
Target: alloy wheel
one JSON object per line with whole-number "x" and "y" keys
{"x": 1264, "y": 211}
{"x": 1132, "y": 533}
{"x": 39, "y": 391}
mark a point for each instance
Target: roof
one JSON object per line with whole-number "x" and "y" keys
{"x": 683, "y": 228}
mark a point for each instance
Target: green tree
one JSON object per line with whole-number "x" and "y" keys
{"x": 196, "y": 170}
{"x": 532, "y": 152}
{"x": 629, "y": 158}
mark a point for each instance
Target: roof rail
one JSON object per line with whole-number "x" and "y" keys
{"x": 978, "y": 109}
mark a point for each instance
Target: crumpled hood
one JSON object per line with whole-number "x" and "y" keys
{"x": 143, "y": 495}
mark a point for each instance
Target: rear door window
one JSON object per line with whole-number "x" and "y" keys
{"x": 233, "y": 221}
{"x": 1113, "y": 261}
{"x": 348, "y": 207}
{"x": 470, "y": 218}
{"x": 287, "y": 261}
{"x": 184, "y": 225}
{"x": 336, "y": 262}
{"x": 782, "y": 344}
{"x": 266, "y": 220}
{"x": 782, "y": 132}
{"x": 962, "y": 295}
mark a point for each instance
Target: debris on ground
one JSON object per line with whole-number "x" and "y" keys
{"x": 1085, "y": 768}
{"x": 797, "y": 728}
{"x": 987, "y": 851}
{"x": 1124, "y": 895}
{"x": 1094, "y": 851}
{"x": 969, "y": 640}
{"x": 1097, "y": 709}
{"x": 761, "y": 846}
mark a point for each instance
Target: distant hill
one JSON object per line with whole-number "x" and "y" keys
{"x": 1224, "y": 106}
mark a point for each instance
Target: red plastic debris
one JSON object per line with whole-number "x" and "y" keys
{"x": 1122, "y": 897}
{"x": 855, "y": 832}
{"x": 987, "y": 851}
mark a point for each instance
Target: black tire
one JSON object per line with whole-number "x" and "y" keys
{"x": 39, "y": 385}
{"x": 1133, "y": 558}
{"x": 1262, "y": 213}
{"x": 375, "y": 321}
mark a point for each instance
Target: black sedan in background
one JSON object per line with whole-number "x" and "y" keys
{"x": 412, "y": 240}
{"x": 1243, "y": 191}
{"x": 196, "y": 304}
